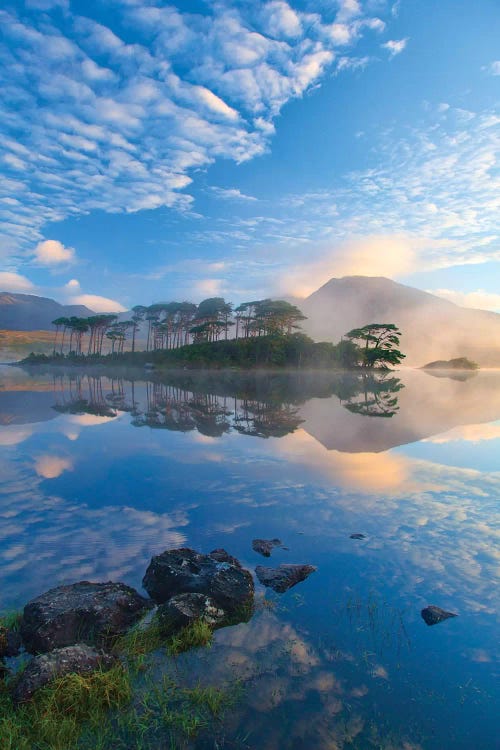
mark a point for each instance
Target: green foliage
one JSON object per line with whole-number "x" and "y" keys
{"x": 377, "y": 347}
{"x": 55, "y": 717}
{"x": 96, "y": 712}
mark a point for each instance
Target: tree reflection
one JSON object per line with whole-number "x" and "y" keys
{"x": 376, "y": 396}
{"x": 257, "y": 406}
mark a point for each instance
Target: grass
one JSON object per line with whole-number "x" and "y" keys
{"x": 11, "y": 620}
{"x": 140, "y": 640}
{"x": 124, "y": 708}
{"x": 55, "y": 717}
{"x": 199, "y": 633}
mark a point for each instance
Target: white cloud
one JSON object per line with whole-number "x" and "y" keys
{"x": 395, "y": 46}
{"x": 14, "y": 282}
{"x": 53, "y": 252}
{"x": 477, "y": 299}
{"x": 493, "y": 68}
{"x": 72, "y": 286}
{"x": 51, "y": 467}
{"x": 97, "y": 304}
{"x": 281, "y": 20}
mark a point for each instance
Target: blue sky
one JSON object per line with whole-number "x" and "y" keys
{"x": 154, "y": 151}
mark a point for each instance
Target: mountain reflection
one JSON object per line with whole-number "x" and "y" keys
{"x": 346, "y": 412}
{"x": 261, "y": 408}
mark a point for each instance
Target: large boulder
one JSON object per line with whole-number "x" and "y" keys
{"x": 184, "y": 609}
{"x": 84, "y": 612}
{"x": 184, "y": 571}
{"x": 284, "y": 576}
{"x": 80, "y": 658}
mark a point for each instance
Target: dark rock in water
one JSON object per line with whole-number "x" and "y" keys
{"x": 265, "y": 546}
{"x": 220, "y": 555}
{"x": 358, "y": 536}
{"x": 184, "y": 571}
{"x": 10, "y": 642}
{"x": 184, "y": 609}
{"x": 283, "y": 577}
{"x": 80, "y": 658}
{"x": 83, "y": 612}
{"x": 432, "y": 615}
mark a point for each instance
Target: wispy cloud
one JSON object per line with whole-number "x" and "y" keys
{"x": 493, "y": 68}
{"x": 429, "y": 200}
{"x": 231, "y": 194}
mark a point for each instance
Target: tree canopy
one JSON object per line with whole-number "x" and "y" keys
{"x": 377, "y": 344}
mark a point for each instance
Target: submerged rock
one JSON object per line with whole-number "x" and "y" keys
{"x": 283, "y": 577}
{"x": 265, "y": 546}
{"x": 184, "y": 571}
{"x": 10, "y": 642}
{"x": 184, "y": 609}
{"x": 432, "y": 615}
{"x": 357, "y": 536}
{"x": 84, "y": 612}
{"x": 79, "y": 658}
{"x": 220, "y": 555}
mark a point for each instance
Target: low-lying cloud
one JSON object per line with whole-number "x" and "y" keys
{"x": 382, "y": 255}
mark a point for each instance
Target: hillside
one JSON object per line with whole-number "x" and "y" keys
{"x": 433, "y": 328}
{"x": 26, "y": 312}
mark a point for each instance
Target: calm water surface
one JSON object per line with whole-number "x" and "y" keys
{"x": 99, "y": 473}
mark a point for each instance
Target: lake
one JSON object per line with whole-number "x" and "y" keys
{"x": 99, "y": 473}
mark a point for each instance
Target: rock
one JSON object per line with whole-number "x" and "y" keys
{"x": 83, "y": 612}
{"x": 79, "y": 658}
{"x": 432, "y": 615}
{"x": 184, "y": 571}
{"x": 10, "y": 642}
{"x": 357, "y": 536}
{"x": 283, "y": 577}
{"x": 220, "y": 555}
{"x": 184, "y": 609}
{"x": 265, "y": 546}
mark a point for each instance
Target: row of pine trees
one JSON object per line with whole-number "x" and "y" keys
{"x": 169, "y": 325}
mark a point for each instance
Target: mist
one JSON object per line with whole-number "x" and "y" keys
{"x": 432, "y": 328}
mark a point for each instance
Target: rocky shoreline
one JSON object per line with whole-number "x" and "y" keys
{"x": 75, "y": 628}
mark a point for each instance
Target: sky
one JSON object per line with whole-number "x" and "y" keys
{"x": 155, "y": 151}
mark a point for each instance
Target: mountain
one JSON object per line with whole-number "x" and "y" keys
{"x": 432, "y": 327}
{"x": 26, "y": 312}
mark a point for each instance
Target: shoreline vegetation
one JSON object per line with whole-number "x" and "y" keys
{"x": 184, "y": 335}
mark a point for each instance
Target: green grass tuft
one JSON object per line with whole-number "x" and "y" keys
{"x": 197, "y": 634}
{"x": 11, "y": 620}
{"x": 55, "y": 717}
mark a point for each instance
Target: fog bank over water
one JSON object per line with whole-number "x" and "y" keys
{"x": 432, "y": 328}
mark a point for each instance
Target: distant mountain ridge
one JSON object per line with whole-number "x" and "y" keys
{"x": 27, "y": 312}
{"x": 432, "y": 327}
